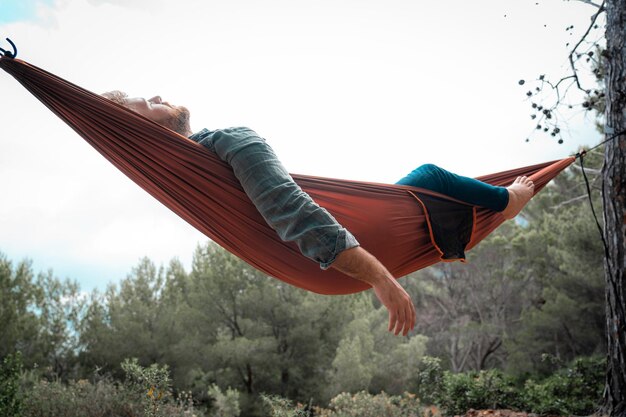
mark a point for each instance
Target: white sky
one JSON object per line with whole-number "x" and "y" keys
{"x": 359, "y": 89}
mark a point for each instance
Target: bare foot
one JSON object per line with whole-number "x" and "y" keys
{"x": 520, "y": 193}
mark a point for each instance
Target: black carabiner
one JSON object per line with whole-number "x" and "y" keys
{"x": 9, "y": 54}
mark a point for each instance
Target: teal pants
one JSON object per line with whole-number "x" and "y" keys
{"x": 469, "y": 190}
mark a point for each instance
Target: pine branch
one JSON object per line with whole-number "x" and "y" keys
{"x": 581, "y": 40}
{"x": 589, "y": 2}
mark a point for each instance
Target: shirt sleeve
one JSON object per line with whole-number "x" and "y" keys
{"x": 286, "y": 208}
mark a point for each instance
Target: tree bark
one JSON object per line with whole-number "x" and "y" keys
{"x": 614, "y": 201}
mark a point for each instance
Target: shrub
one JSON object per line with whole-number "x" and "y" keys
{"x": 224, "y": 404}
{"x": 154, "y": 381}
{"x": 429, "y": 380}
{"x": 363, "y": 404}
{"x": 575, "y": 390}
{"x": 10, "y": 399}
{"x": 478, "y": 390}
{"x": 79, "y": 399}
{"x": 104, "y": 397}
{"x": 282, "y": 407}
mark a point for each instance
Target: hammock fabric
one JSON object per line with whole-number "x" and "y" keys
{"x": 405, "y": 228}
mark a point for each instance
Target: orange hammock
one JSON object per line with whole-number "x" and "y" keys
{"x": 399, "y": 225}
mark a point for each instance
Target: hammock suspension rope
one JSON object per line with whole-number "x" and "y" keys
{"x": 580, "y": 155}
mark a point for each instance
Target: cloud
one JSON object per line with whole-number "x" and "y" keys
{"x": 137, "y": 4}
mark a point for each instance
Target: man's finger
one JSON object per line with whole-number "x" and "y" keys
{"x": 407, "y": 322}
{"x": 401, "y": 321}
{"x": 392, "y": 319}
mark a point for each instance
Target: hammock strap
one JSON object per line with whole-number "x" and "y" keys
{"x": 593, "y": 211}
{"x": 610, "y": 138}
{"x": 580, "y": 155}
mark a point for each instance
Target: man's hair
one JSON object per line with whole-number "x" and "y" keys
{"x": 179, "y": 123}
{"x": 117, "y": 96}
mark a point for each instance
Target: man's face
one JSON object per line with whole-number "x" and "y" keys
{"x": 154, "y": 109}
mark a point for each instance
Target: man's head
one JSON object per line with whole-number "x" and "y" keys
{"x": 175, "y": 118}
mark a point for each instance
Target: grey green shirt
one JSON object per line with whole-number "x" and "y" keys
{"x": 286, "y": 208}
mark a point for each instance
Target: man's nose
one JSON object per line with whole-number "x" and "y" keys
{"x": 156, "y": 99}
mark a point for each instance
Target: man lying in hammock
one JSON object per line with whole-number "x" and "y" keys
{"x": 296, "y": 217}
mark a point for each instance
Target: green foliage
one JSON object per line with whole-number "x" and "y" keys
{"x": 19, "y": 325}
{"x": 429, "y": 380}
{"x": 78, "y": 399}
{"x": 225, "y": 404}
{"x": 478, "y": 390}
{"x": 353, "y": 364}
{"x": 257, "y": 334}
{"x": 370, "y": 358}
{"x": 364, "y": 404}
{"x": 101, "y": 398}
{"x": 153, "y": 381}
{"x": 282, "y": 407}
{"x": 10, "y": 398}
{"x": 397, "y": 360}
{"x": 575, "y": 390}
{"x": 38, "y": 316}
{"x": 360, "y": 404}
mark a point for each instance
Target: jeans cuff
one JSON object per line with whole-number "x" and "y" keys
{"x": 345, "y": 240}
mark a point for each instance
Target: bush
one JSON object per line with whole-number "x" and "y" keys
{"x": 363, "y": 404}
{"x": 224, "y": 404}
{"x": 79, "y": 399}
{"x": 282, "y": 407}
{"x": 575, "y": 390}
{"x": 429, "y": 380}
{"x": 10, "y": 398}
{"x": 153, "y": 381}
{"x": 104, "y": 397}
{"x": 479, "y": 390}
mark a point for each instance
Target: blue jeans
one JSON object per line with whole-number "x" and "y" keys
{"x": 291, "y": 212}
{"x": 465, "y": 189}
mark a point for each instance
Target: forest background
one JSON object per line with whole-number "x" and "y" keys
{"x": 528, "y": 304}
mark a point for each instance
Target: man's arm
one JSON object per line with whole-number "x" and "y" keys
{"x": 296, "y": 217}
{"x": 360, "y": 264}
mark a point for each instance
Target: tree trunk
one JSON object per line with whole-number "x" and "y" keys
{"x": 614, "y": 199}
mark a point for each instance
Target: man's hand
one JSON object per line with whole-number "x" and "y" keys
{"x": 360, "y": 264}
{"x": 399, "y": 305}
